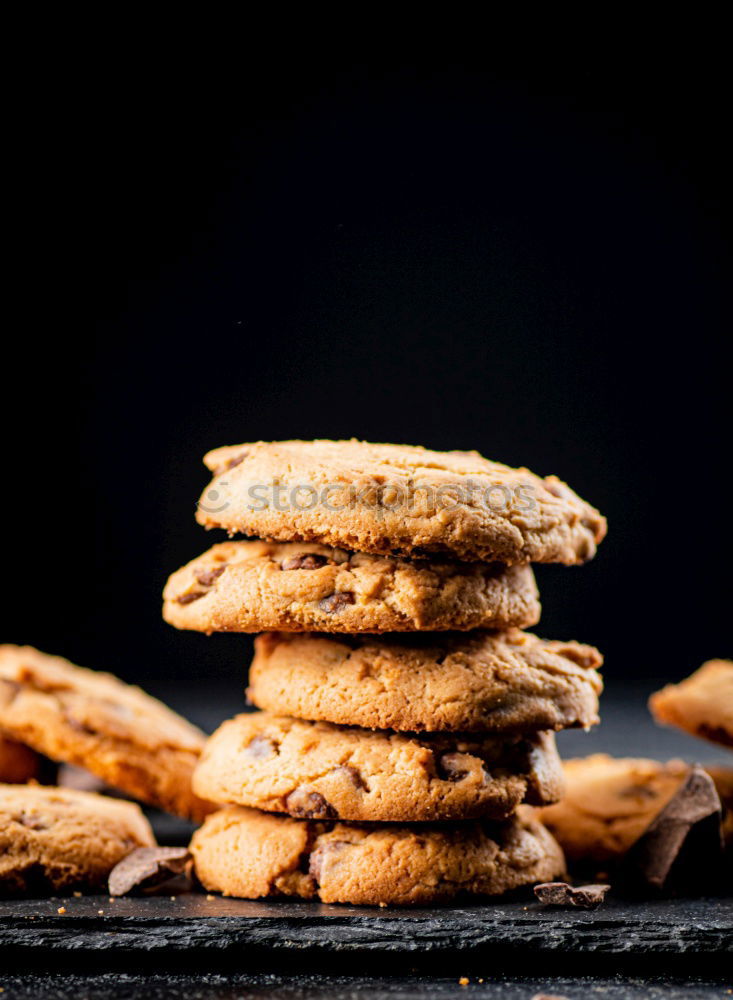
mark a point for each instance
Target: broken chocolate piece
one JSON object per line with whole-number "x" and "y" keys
{"x": 336, "y": 602}
{"x": 311, "y": 560}
{"x": 561, "y": 894}
{"x": 683, "y": 845}
{"x": 321, "y": 854}
{"x": 309, "y": 805}
{"x": 147, "y": 867}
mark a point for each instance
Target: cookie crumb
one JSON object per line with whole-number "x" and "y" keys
{"x": 77, "y": 895}
{"x": 210, "y": 898}
{"x": 61, "y": 909}
{"x": 100, "y": 912}
{"x": 463, "y": 981}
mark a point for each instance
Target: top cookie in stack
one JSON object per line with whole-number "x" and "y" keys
{"x": 375, "y": 538}
{"x": 359, "y": 538}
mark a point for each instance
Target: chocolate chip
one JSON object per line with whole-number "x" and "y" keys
{"x": 353, "y": 774}
{"x": 451, "y": 767}
{"x": 190, "y": 598}
{"x": 336, "y": 602}
{"x": 206, "y": 577}
{"x": 562, "y": 894}
{"x": 319, "y": 856}
{"x": 147, "y": 867}
{"x": 260, "y": 747}
{"x": 32, "y": 821}
{"x": 309, "y": 805}
{"x": 233, "y": 462}
{"x": 310, "y": 560}
{"x": 683, "y": 844}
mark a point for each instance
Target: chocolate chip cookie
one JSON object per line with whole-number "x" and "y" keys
{"x": 243, "y": 852}
{"x": 503, "y": 682}
{"x": 97, "y": 722}
{"x": 314, "y": 770}
{"x": 296, "y": 587}
{"x": 702, "y": 704}
{"x": 53, "y": 838}
{"x": 386, "y": 498}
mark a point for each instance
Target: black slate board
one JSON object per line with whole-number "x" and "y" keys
{"x": 194, "y": 930}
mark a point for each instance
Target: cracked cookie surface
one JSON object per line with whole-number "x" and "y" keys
{"x": 53, "y": 838}
{"x": 493, "y": 682}
{"x": 702, "y": 704}
{"x": 610, "y": 801}
{"x": 386, "y": 498}
{"x": 314, "y": 770}
{"x": 96, "y": 721}
{"x": 259, "y": 586}
{"x": 246, "y": 853}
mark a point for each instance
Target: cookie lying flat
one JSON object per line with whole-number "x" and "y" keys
{"x": 702, "y": 704}
{"x": 495, "y": 682}
{"x": 53, "y": 838}
{"x": 609, "y": 803}
{"x": 297, "y": 587}
{"x": 314, "y": 770}
{"x": 94, "y": 720}
{"x": 18, "y": 763}
{"x": 387, "y": 498}
{"x": 242, "y": 852}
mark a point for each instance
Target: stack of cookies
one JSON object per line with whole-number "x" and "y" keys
{"x": 405, "y": 721}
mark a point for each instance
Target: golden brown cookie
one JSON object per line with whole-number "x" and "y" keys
{"x": 243, "y": 852}
{"x": 609, "y": 803}
{"x": 18, "y": 763}
{"x": 702, "y": 704}
{"x": 97, "y": 722}
{"x": 387, "y": 498}
{"x": 54, "y": 838}
{"x": 313, "y": 770}
{"x": 494, "y": 682}
{"x": 300, "y": 587}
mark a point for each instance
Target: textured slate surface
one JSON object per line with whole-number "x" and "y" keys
{"x": 310, "y": 987}
{"x": 192, "y": 923}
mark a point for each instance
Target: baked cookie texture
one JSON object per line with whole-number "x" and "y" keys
{"x": 299, "y": 587}
{"x": 243, "y": 852}
{"x": 505, "y": 682}
{"x": 386, "y": 498}
{"x": 609, "y": 803}
{"x": 97, "y": 722}
{"x": 315, "y": 770}
{"x": 53, "y": 838}
{"x": 702, "y": 704}
{"x": 18, "y": 763}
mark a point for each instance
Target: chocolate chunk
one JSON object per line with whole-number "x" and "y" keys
{"x": 311, "y": 560}
{"x": 305, "y": 804}
{"x": 321, "y": 854}
{"x": 206, "y": 577}
{"x": 260, "y": 747}
{"x": 451, "y": 767}
{"x": 147, "y": 867}
{"x": 233, "y": 462}
{"x": 336, "y": 602}
{"x": 190, "y": 598}
{"x": 33, "y": 821}
{"x": 353, "y": 774}
{"x": 562, "y": 894}
{"x": 683, "y": 845}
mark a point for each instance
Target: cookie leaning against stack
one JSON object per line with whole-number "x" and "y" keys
{"x": 444, "y": 731}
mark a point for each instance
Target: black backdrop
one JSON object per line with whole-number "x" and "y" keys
{"x": 531, "y": 264}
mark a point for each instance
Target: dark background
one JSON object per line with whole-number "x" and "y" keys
{"x": 532, "y": 263}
